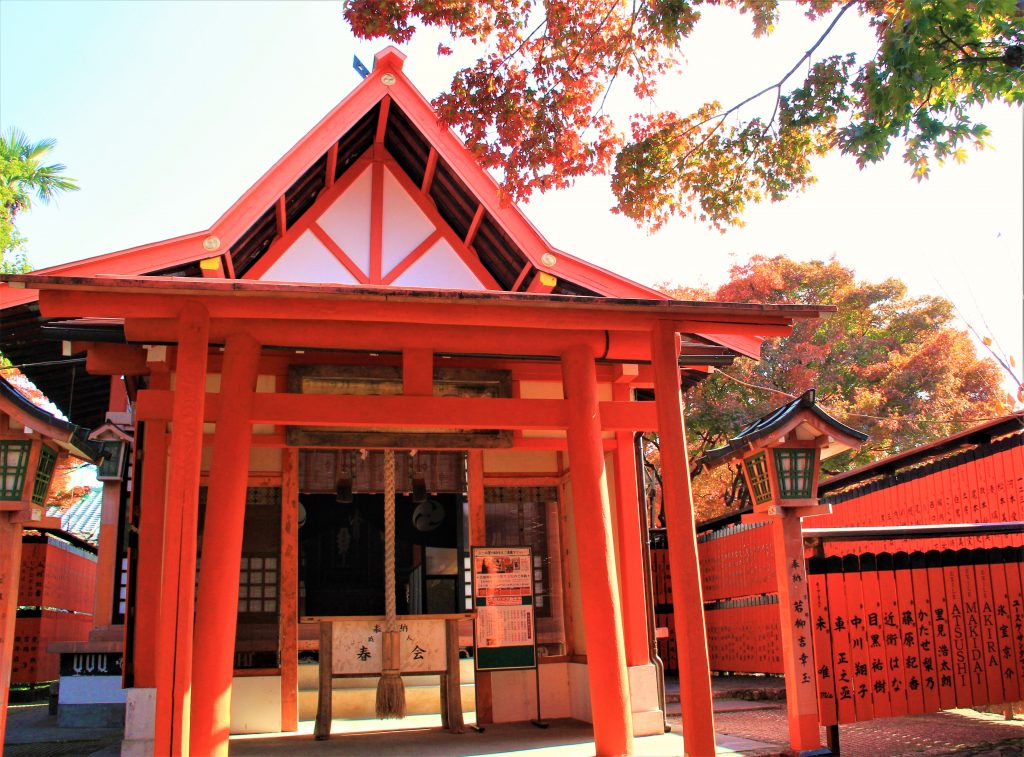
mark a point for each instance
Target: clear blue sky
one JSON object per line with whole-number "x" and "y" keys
{"x": 167, "y": 111}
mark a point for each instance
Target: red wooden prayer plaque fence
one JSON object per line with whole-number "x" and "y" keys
{"x": 55, "y": 601}
{"x": 919, "y": 632}
{"x": 900, "y": 626}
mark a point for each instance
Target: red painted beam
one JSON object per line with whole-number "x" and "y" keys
{"x": 418, "y": 252}
{"x": 395, "y": 337}
{"x": 358, "y": 411}
{"x": 335, "y": 249}
{"x": 326, "y": 198}
{"x": 116, "y": 360}
{"x": 357, "y": 307}
{"x": 428, "y": 173}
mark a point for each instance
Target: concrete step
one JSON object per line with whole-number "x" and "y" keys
{"x": 361, "y": 703}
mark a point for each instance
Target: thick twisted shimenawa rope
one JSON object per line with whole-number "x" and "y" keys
{"x": 390, "y": 615}
{"x": 390, "y": 690}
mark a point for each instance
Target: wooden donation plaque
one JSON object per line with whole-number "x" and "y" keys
{"x": 352, "y": 647}
{"x": 358, "y": 651}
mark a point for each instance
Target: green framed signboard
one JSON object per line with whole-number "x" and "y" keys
{"x": 505, "y": 633}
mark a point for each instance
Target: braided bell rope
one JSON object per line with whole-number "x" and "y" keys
{"x": 390, "y": 614}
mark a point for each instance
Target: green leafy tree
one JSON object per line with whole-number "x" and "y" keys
{"x": 532, "y": 105}
{"x": 889, "y": 364}
{"x": 24, "y": 176}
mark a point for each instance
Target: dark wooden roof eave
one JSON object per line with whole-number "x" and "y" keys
{"x": 69, "y": 435}
{"x": 982, "y": 433}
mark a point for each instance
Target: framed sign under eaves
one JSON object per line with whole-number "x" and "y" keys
{"x": 386, "y": 380}
{"x": 505, "y": 631}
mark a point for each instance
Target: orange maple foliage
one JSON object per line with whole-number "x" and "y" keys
{"x": 889, "y": 364}
{"x": 533, "y": 105}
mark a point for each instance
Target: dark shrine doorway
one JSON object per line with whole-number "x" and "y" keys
{"x": 341, "y": 533}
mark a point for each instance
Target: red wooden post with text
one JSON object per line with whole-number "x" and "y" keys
{"x": 781, "y": 455}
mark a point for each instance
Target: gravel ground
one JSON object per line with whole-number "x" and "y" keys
{"x": 959, "y": 732}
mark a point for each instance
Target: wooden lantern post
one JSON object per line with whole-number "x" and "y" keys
{"x": 780, "y": 457}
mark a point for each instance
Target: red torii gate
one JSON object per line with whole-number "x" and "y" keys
{"x": 527, "y": 307}
{"x": 242, "y": 315}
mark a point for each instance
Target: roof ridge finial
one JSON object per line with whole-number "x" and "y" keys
{"x": 389, "y": 58}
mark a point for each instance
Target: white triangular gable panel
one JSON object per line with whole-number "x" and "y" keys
{"x": 307, "y": 260}
{"x": 440, "y": 268}
{"x": 405, "y": 225}
{"x": 347, "y": 221}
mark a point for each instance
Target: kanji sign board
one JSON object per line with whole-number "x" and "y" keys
{"x": 505, "y": 632}
{"x": 358, "y": 651}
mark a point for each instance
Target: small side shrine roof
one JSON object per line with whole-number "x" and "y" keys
{"x": 780, "y": 420}
{"x": 72, "y": 438}
{"x": 82, "y": 519}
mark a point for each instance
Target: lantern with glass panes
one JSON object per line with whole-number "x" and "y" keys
{"x": 27, "y": 462}
{"x": 113, "y": 445}
{"x": 780, "y": 454}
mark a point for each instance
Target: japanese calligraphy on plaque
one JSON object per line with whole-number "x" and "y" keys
{"x": 357, "y": 646}
{"x": 504, "y": 631}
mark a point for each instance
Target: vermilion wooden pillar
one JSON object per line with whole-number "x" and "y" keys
{"x": 177, "y": 599}
{"x": 10, "y": 571}
{"x": 217, "y": 602}
{"x": 630, "y": 533}
{"x": 602, "y": 612}
{"x": 695, "y": 674}
{"x": 151, "y": 526}
{"x": 795, "y": 617}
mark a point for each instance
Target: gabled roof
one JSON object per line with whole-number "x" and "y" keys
{"x": 780, "y": 421}
{"x": 82, "y": 519}
{"x": 385, "y": 107}
{"x": 384, "y": 115}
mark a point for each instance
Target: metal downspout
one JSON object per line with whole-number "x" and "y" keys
{"x": 659, "y": 666}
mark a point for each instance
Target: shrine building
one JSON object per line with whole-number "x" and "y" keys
{"x": 372, "y": 316}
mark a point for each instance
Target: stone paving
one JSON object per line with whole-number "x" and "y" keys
{"x": 754, "y": 727}
{"x": 960, "y": 732}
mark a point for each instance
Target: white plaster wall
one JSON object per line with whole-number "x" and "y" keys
{"x": 518, "y": 693}
{"x": 577, "y": 639}
{"x": 499, "y": 461}
{"x": 261, "y": 459}
{"x": 405, "y": 225}
{"x": 347, "y": 221}
{"x": 440, "y": 267}
{"x": 308, "y": 260}
{"x": 579, "y": 692}
{"x": 256, "y": 704}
